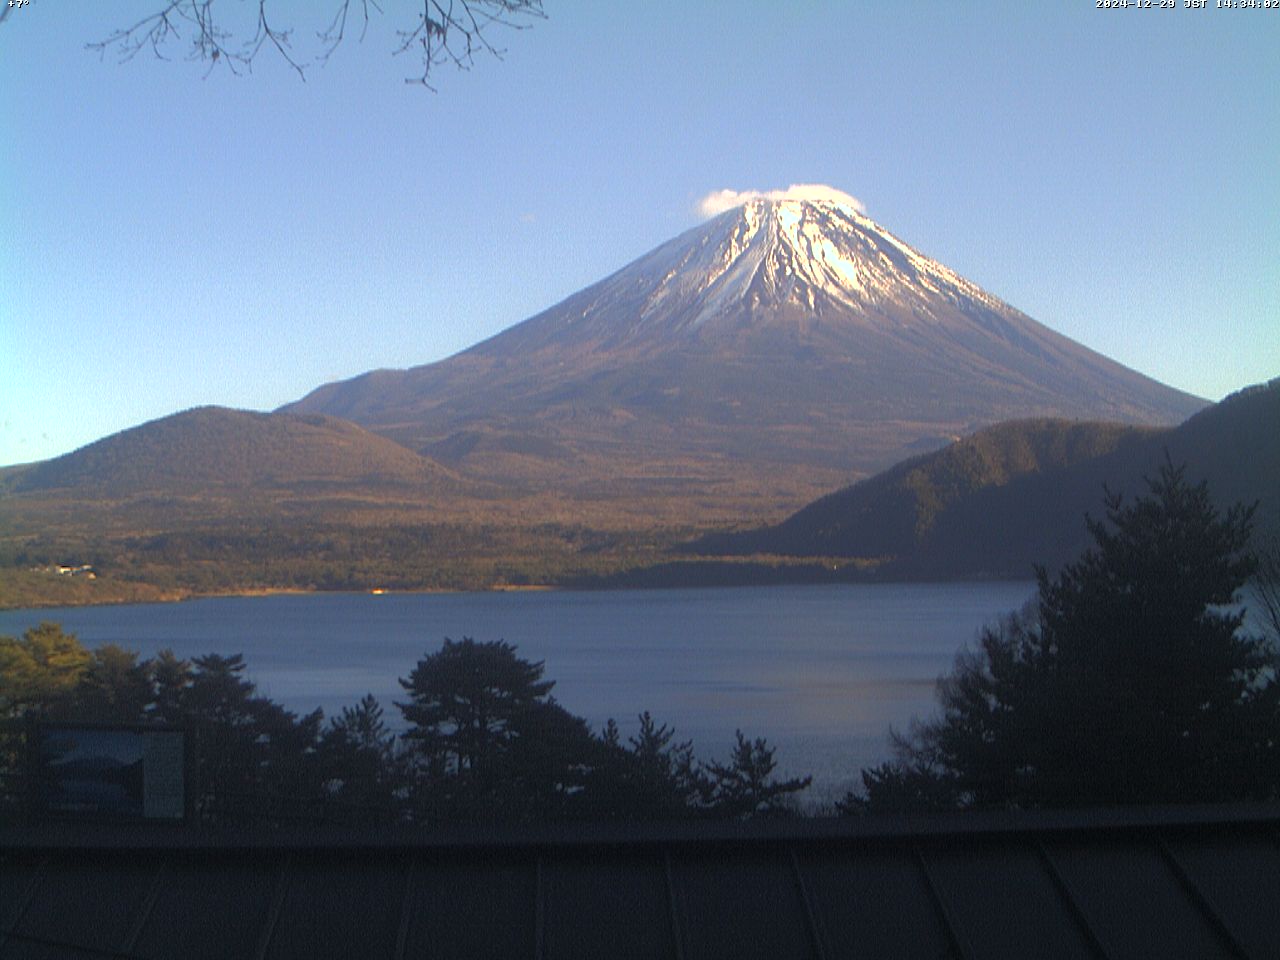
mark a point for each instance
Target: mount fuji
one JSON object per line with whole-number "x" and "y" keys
{"x": 777, "y": 350}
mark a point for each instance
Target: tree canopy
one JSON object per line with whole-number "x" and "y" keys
{"x": 491, "y": 743}
{"x": 485, "y": 741}
{"x": 466, "y": 702}
{"x": 41, "y": 670}
{"x": 746, "y": 786}
{"x": 1129, "y": 680}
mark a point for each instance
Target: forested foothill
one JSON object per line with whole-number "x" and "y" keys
{"x": 215, "y": 502}
{"x": 1003, "y": 499}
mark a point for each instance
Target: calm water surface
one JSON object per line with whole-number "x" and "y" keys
{"x": 821, "y": 671}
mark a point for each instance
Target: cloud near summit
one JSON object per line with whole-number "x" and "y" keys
{"x": 719, "y": 201}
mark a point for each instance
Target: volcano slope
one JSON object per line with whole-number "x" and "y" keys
{"x": 775, "y": 352}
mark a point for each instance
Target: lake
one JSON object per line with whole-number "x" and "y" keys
{"x": 822, "y": 671}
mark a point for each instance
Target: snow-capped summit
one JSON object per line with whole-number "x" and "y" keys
{"x": 812, "y": 253}
{"x": 789, "y": 340}
{"x": 803, "y": 268}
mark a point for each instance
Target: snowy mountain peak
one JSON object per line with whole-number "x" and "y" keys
{"x": 814, "y": 253}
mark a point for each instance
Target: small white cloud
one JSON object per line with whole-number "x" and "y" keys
{"x": 719, "y": 201}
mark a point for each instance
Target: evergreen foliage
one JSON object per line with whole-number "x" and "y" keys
{"x": 115, "y": 687}
{"x": 359, "y": 761}
{"x": 466, "y": 701}
{"x": 41, "y": 671}
{"x": 1266, "y": 585}
{"x": 746, "y": 787}
{"x": 652, "y": 776}
{"x": 1129, "y": 681}
{"x": 486, "y": 741}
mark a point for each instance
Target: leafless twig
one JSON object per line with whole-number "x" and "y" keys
{"x": 444, "y": 31}
{"x": 208, "y": 42}
{"x": 455, "y": 31}
{"x": 279, "y": 39}
{"x": 338, "y": 27}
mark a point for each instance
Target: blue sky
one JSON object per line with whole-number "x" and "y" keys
{"x": 169, "y": 239}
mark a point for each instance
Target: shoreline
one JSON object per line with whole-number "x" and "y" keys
{"x": 690, "y": 575}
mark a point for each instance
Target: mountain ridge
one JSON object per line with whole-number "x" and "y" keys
{"x": 888, "y": 514}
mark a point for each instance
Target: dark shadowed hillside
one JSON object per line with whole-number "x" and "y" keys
{"x": 894, "y": 512}
{"x": 997, "y": 502}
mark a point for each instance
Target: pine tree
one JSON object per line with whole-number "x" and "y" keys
{"x": 1130, "y": 680}
{"x": 358, "y": 761}
{"x": 464, "y": 699}
{"x": 746, "y": 786}
{"x": 40, "y": 672}
{"x": 471, "y": 709}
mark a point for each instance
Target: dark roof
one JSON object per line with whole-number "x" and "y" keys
{"x": 1173, "y": 882}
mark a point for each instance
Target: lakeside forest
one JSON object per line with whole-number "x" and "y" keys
{"x": 1131, "y": 678}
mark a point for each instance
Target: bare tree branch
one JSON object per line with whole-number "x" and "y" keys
{"x": 279, "y": 39}
{"x": 193, "y": 17}
{"x": 443, "y": 32}
{"x": 338, "y": 27}
{"x": 455, "y": 31}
